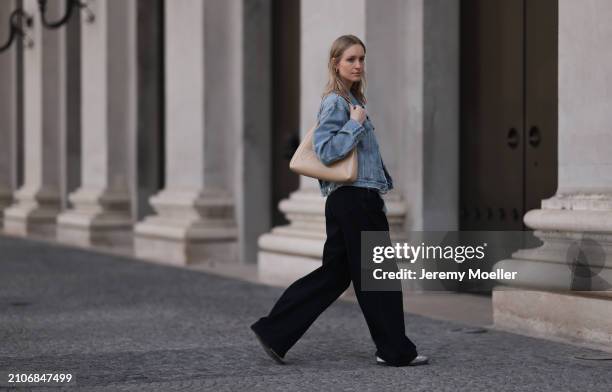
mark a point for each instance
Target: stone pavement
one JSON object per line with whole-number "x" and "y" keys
{"x": 120, "y": 324}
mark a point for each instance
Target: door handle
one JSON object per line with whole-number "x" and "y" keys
{"x": 512, "y": 138}
{"x": 534, "y": 137}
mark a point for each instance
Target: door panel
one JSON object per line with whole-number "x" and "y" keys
{"x": 541, "y": 102}
{"x": 491, "y": 115}
{"x": 508, "y": 118}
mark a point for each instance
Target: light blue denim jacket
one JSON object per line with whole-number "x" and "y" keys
{"x": 335, "y": 137}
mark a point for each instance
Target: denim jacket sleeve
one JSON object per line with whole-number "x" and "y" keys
{"x": 337, "y": 133}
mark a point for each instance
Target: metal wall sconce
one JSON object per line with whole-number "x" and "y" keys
{"x": 70, "y": 6}
{"x": 16, "y": 17}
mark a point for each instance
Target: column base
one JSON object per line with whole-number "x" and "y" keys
{"x": 283, "y": 257}
{"x": 180, "y": 252}
{"x": 30, "y": 227}
{"x": 291, "y": 251}
{"x": 578, "y": 319}
{"x": 6, "y": 198}
{"x": 562, "y": 291}
{"x": 190, "y": 227}
{"x": 33, "y": 213}
{"x": 113, "y": 237}
{"x": 575, "y": 254}
{"x": 99, "y": 218}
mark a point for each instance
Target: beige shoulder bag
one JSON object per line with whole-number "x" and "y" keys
{"x": 306, "y": 162}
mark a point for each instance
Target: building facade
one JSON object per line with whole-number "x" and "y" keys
{"x": 163, "y": 127}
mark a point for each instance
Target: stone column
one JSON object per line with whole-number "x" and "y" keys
{"x": 8, "y": 113}
{"x": 579, "y": 216}
{"x": 413, "y": 78}
{"x": 38, "y": 200}
{"x": 253, "y": 184}
{"x": 293, "y": 250}
{"x": 101, "y": 212}
{"x": 195, "y": 218}
{"x": 402, "y": 104}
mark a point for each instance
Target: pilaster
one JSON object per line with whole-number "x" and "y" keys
{"x": 101, "y": 212}
{"x": 194, "y": 216}
{"x": 37, "y": 202}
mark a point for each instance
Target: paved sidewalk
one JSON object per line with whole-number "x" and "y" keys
{"x": 119, "y": 324}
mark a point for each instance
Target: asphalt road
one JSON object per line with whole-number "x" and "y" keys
{"x": 118, "y": 324}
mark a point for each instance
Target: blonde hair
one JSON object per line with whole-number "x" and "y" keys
{"x": 334, "y": 83}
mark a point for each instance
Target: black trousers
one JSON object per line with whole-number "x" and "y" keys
{"x": 348, "y": 211}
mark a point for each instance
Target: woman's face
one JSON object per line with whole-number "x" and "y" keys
{"x": 352, "y": 64}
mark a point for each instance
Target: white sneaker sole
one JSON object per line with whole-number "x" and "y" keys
{"x": 419, "y": 360}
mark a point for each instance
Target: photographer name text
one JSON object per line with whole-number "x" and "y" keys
{"x": 408, "y": 274}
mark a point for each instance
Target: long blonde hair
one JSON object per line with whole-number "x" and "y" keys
{"x": 334, "y": 83}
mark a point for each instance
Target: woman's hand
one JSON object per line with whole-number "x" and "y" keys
{"x": 358, "y": 113}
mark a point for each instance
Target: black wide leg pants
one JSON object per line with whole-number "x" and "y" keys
{"x": 349, "y": 210}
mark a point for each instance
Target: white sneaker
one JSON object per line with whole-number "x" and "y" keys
{"x": 419, "y": 360}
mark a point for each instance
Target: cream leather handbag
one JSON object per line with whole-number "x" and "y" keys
{"x": 306, "y": 163}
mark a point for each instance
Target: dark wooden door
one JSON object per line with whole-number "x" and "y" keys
{"x": 541, "y": 101}
{"x": 508, "y": 110}
{"x": 508, "y": 120}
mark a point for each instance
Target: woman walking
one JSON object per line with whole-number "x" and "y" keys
{"x": 349, "y": 210}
